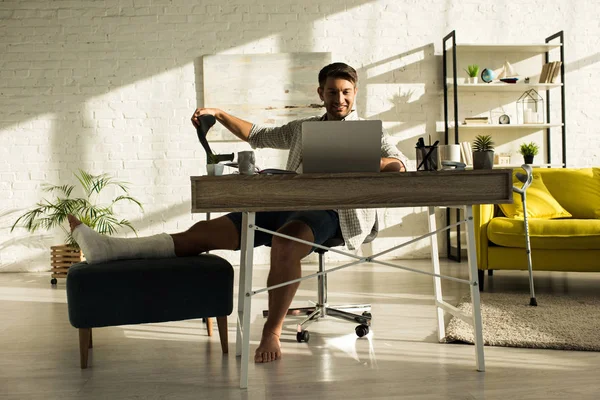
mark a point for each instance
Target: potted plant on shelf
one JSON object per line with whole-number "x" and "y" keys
{"x": 50, "y": 214}
{"x": 473, "y": 72}
{"x": 528, "y": 151}
{"x": 483, "y": 152}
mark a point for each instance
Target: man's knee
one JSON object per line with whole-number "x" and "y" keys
{"x": 282, "y": 248}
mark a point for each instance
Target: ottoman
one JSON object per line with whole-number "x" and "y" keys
{"x": 139, "y": 291}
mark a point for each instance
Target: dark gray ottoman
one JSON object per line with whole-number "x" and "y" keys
{"x": 142, "y": 291}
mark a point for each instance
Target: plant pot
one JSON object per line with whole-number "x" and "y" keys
{"x": 215, "y": 169}
{"x": 528, "y": 159}
{"x": 61, "y": 259}
{"x": 472, "y": 79}
{"x": 483, "y": 159}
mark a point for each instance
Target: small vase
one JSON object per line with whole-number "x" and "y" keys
{"x": 528, "y": 159}
{"x": 472, "y": 80}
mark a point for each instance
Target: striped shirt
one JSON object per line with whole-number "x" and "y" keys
{"x": 355, "y": 224}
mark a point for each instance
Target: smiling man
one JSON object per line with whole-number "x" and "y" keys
{"x": 337, "y": 89}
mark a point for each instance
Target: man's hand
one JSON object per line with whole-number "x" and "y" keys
{"x": 237, "y": 126}
{"x": 203, "y": 111}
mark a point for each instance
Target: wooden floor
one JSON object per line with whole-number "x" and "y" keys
{"x": 400, "y": 358}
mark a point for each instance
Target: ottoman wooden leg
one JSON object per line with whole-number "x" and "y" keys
{"x": 209, "y": 326}
{"x": 85, "y": 337}
{"x": 222, "y": 325}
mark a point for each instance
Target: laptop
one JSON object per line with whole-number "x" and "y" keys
{"x": 341, "y": 146}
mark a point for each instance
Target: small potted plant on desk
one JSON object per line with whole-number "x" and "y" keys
{"x": 483, "y": 152}
{"x": 51, "y": 214}
{"x": 528, "y": 151}
{"x": 473, "y": 72}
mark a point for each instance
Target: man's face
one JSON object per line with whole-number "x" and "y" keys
{"x": 338, "y": 95}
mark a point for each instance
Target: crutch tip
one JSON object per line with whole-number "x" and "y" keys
{"x": 533, "y": 302}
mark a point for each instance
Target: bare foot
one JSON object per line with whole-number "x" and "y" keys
{"x": 269, "y": 348}
{"x": 73, "y": 222}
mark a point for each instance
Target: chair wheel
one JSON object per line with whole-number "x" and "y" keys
{"x": 362, "y": 330}
{"x": 303, "y": 336}
{"x": 53, "y": 281}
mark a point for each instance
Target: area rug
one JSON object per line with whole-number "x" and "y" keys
{"x": 558, "y": 322}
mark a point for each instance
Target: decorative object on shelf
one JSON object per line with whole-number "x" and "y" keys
{"x": 528, "y": 151}
{"x": 487, "y": 75}
{"x": 509, "y": 80}
{"x": 476, "y": 120}
{"x": 473, "y": 72}
{"x": 483, "y": 152}
{"x": 526, "y": 80}
{"x": 508, "y": 73}
{"x": 49, "y": 215}
{"x": 530, "y": 107}
{"x": 502, "y": 159}
{"x": 504, "y": 119}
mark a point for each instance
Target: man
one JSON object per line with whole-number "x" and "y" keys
{"x": 337, "y": 89}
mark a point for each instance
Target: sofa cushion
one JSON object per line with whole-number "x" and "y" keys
{"x": 540, "y": 203}
{"x": 552, "y": 234}
{"x": 577, "y": 190}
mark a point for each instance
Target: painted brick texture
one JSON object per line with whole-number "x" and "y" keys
{"x": 109, "y": 87}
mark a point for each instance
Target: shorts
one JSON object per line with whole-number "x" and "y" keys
{"x": 324, "y": 224}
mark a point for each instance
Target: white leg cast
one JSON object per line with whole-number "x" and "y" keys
{"x": 477, "y": 323}
{"x": 437, "y": 282}
{"x": 244, "y": 298}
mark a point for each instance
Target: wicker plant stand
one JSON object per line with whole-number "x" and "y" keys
{"x": 62, "y": 257}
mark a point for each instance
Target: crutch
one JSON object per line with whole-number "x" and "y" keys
{"x": 526, "y": 179}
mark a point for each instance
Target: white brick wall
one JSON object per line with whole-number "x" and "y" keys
{"x": 109, "y": 87}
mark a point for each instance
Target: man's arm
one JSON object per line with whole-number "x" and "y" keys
{"x": 235, "y": 125}
{"x": 389, "y": 164}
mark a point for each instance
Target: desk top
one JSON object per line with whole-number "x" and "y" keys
{"x": 350, "y": 190}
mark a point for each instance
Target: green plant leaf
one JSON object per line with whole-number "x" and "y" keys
{"x": 49, "y": 214}
{"x": 483, "y": 143}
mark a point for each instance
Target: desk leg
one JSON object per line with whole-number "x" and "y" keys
{"x": 242, "y": 344}
{"x": 437, "y": 282}
{"x": 477, "y": 324}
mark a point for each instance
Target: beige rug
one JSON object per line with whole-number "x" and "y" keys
{"x": 558, "y": 322}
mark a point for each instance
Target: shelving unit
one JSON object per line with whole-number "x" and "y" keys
{"x": 453, "y": 90}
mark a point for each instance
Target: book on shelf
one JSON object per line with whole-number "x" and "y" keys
{"x": 544, "y": 73}
{"x": 466, "y": 152}
{"x": 476, "y": 120}
{"x": 555, "y": 71}
{"x": 550, "y": 72}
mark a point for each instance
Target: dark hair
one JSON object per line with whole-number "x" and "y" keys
{"x": 338, "y": 70}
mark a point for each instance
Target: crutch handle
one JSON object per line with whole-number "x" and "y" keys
{"x": 526, "y": 179}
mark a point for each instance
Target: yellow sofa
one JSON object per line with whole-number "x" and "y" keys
{"x": 560, "y": 241}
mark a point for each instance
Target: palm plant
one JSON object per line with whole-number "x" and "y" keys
{"x": 50, "y": 214}
{"x": 483, "y": 143}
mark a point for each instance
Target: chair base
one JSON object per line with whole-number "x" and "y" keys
{"x": 320, "y": 311}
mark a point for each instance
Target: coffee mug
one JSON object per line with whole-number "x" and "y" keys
{"x": 246, "y": 162}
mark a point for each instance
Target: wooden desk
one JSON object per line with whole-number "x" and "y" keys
{"x": 249, "y": 194}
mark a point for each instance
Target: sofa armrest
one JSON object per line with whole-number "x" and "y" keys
{"x": 482, "y": 215}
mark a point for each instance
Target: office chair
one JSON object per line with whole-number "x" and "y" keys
{"x": 321, "y": 308}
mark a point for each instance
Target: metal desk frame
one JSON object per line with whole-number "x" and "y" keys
{"x": 249, "y": 194}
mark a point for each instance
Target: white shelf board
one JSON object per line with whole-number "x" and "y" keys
{"x": 502, "y": 87}
{"x": 508, "y": 126}
{"x": 508, "y": 48}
